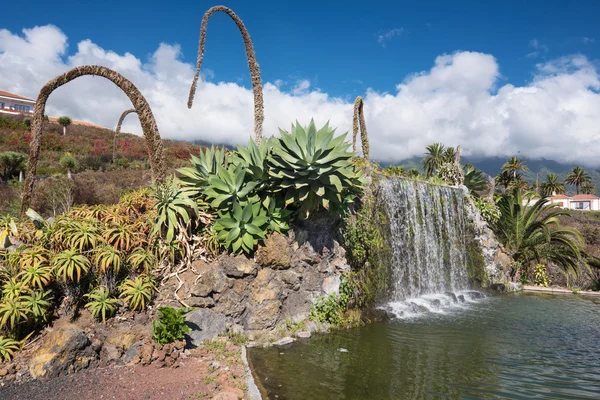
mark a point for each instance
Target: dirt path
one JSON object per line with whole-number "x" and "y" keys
{"x": 202, "y": 376}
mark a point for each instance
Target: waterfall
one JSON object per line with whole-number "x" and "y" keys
{"x": 428, "y": 247}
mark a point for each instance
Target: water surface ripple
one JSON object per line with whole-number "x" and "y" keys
{"x": 510, "y": 347}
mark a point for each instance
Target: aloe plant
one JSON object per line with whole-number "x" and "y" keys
{"x": 175, "y": 209}
{"x": 8, "y": 347}
{"x": 69, "y": 265}
{"x": 138, "y": 292}
{"x": 242, "y": 228}
{"x": 143, "y": 259}
{"x": 312, "y": 168}
{"x": 37, "y": 303}
{"x": 101, "y": 304}
{"x": 108, "y": 258}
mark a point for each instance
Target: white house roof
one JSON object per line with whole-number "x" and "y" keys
{"x": 13, "y": 96}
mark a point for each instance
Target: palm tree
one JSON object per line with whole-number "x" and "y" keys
{"x": 514, "y": 165}
{"x": 552, "y": 186}
{"x": 64, "y": 122}
{"x": 518, "y": 183}
{"x": 434, "y": 158}
{"x": 504, "y": 179}
{"x": 534, "y": 233}
{"x": 588, "y": 188}
{"x": 259, "y": 110}
{"x": 577, "y": 177}
{"x": 449, "y": 154}
{"x": 149, "y": 128}
{"x": 359, "y": 121}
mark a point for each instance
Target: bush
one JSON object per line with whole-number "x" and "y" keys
{"x": 170, "y": 325}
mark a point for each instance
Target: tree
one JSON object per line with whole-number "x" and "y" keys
{"x": 504, "y": 178}
{"x": 518, "y": 183}
{"x": 513, "y": 165}
{"x": 69, "y": 163}
{"x": 449, "y": 154}
{"x": 259, "y": 110}
{"x": 552, "y": 186}
{"x": 534, "y": 233}
{"x": 144, "y": 112}
{"x": 64, "y": 122}
{"x": 434, "y": 158}
{"x": 588, "y": 188}
{"x": 577, "y": 177}
{"x": 11, "y": 163}
{"x": 359, "y": 121}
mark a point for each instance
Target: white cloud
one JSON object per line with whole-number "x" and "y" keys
{"x": 588, "y": 40}
{"x": 389, "y": 35}
{"x": 457, "y": 101}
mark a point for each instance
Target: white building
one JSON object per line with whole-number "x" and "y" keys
{"x": 11, "y": 103}
{"x": 584, "y": 202}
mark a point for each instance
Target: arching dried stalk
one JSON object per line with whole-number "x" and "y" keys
{"x": 359, "y": 120}
{"x": 149, "y": 128}
{"x": 259, "y": 111}
{"x": 125, "y": 113}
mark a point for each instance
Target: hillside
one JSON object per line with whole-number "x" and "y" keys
{"x": 96, "y": 179}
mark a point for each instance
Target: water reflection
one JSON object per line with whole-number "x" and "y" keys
{"x": 517, "y": 347}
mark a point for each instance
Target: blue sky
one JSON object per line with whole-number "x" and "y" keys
{"x": 503, "y": 78}
{"x": 341, "y": 46}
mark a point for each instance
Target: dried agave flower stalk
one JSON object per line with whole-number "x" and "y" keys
{"x": 359, "y": 120}
{"x": 125, "y": 113}
{"x": 259, "y": 111}
{"x": 141, "y": 106}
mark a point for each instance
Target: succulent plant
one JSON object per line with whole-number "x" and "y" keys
{"x": 229, "y": 186}
{"x": 175, "y": 208}
{"x": 203, "y": 166}
{"x": 242, "y": 228}
{"x": 312, "y": 168}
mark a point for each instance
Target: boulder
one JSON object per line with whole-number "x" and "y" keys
{"x": 202, "y": 302}
{"x": 284, "y": 341}
{"x": 275, "y": 253}
{"x": 206, "y": 324}
{"x": 331, "y": 284}
{"x": 262, "y": 316}
{"x": 67, "y": 348}
{"x": 230, "y": 303}
{"x": 237, "y": 266}
{"x": 213, "y": 280}
{"x": 132, "y": 355}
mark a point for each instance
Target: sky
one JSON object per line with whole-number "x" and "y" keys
{"x": 497, "y": 78}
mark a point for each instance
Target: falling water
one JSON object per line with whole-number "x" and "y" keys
{"x": 428, "y": 247}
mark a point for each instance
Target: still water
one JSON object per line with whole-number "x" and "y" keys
{"x": 521, "y": 346}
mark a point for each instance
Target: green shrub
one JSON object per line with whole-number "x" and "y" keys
{"x": 489, "y": 211}
{"x": 331, "y": 309}
{"x": 170, "y": 325}
{"x": 101, "y": 304}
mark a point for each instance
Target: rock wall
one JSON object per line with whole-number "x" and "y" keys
{"x": 497, "y": 260}
{"x": 280, "y": 283}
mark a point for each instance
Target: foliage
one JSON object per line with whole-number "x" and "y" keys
{"x": 138, "y": 292}
{"x": 13, "y": 311}
{"x": 142, "y": 259}
{"x": 434, "y": 158}
{"x": 588, "y": 188}
{"x": 11, "y": 163}
{"x": 101, "y": 304}
{"x": 203, "y": 167}
{"x": 108, "y": 258}
{"x": 475, "y": 180}
{"x": 70, "y": 265}
{"x": 170, "y": 325}
{"x": 175, "y": 208}
{"x": 552, "y": 186}
{"x": 513, "y": 165}
{"x": 242, "y": 228}
{"x": 8, "y": 347}
{"x": 312, "y": 169}
{"x": 577, "y": 177}
{"x": 331, "y": 309}
{"x": 489, "y": 211}
{"x": 540, "y": 275}
{"x": 64, "y": 121}
{"x": 533, "y": 233}
{"x": 68, "y": 162}
{"x": 37, "y": 303}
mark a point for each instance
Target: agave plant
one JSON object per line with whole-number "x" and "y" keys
{"x": 175, "y": 209}
{"x": 108, "y": 258}
{"x": 203, "y": 167}
{"x": 69, "y": 265}
{"x": 8, "y": 347}
{"x": 475, "y": 180}
{"x": 229, "y": 186}
{"x": 142, "y": 259}
{"x": 138, "y": 292}
{"x": 277, "y": 217}
{"x": 312, "y": 168}
{"x": 242, "y": 228}
{"x": 101, "y": 303}
{"x": 254, "y": 159}
{"x": 37, "y": 303}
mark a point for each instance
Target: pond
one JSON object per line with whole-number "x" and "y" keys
{"x": 517, "y": 346}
